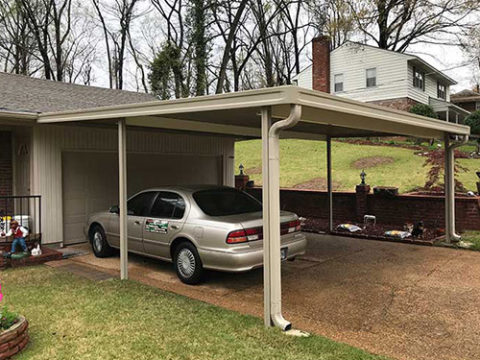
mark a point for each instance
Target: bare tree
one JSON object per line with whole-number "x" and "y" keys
{"x": 397, "y": 24}
{"x": 116, "y": 19}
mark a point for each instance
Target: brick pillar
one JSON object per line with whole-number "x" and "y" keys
{"x": 321, "y": 64}
{"x": 241, "y": 181}
{"x": 6, "y": 170}
{"x": 362, "y": 192}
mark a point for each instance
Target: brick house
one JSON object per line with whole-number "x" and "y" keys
{"x": 387, "y": 78}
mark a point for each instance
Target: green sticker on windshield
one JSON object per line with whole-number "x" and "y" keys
{"x": 156, "y": 226}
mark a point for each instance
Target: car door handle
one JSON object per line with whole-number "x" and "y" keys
{"x": 174, "y": 227}
{"x": 137, "y": 222}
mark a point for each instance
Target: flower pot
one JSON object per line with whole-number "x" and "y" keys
{"x": 14, "y": 339}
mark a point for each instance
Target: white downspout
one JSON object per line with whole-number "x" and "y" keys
{"x": 274, "y": 215}
{"x": 450, "y": 232}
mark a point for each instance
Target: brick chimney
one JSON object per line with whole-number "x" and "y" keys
{"x": 321, "y": 63}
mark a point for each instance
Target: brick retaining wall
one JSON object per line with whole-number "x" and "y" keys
{"x": 394, "y": 210}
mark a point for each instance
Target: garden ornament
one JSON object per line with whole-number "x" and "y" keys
{"x": 363, "y": 175}
{"x": 241, "y": 167}
{"x": 36, "y": 251}
{"x": 418, "y": 229}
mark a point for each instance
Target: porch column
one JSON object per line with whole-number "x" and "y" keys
{"x": 122, "y": 195}
{"x": 266, "y": 124}
{"x": 329, "y": 184}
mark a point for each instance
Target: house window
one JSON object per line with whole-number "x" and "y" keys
{"x": 338, "y": 82}
{"x": 418, "y": 79}
{"x": 477, "y": 105}
{"x": 441, "y": 91}
{"x": 371, "y": 77}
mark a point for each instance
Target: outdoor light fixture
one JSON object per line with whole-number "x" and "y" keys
{"x": 363, "y": 175}
{"x": 241, "y": 167}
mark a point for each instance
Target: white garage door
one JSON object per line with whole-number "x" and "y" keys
{"x": 90, "y": 181}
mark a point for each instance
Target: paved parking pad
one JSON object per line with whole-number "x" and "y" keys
{"x": 399, "y": 300}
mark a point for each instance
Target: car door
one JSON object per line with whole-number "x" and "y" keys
{"x": 138, "y": 207}
{"x": 164, "y": 222}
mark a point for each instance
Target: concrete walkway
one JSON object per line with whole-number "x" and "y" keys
{"x": 403, "y": 301}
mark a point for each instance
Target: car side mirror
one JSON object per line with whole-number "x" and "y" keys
{"x": 115, "y": 209}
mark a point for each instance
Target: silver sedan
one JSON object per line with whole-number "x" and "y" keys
{"x": 196, "y": 228}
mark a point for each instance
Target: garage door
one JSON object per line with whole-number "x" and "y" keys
{"x": 90, "y": 181}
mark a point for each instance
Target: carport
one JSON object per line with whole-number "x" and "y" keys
{"x": 270, "y": 114}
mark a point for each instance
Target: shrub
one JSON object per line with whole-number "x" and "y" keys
{"x": 436, "y": 159}
{"x": 7, "y": 318}
{"x": 473, "y": 120}
{"x": 424, "y": 110}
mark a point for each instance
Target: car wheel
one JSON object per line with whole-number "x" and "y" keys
{"x": 188, "y": 264}
{"x": 99, "y": 242}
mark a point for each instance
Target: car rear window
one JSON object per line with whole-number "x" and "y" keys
{"x": 223, "y": 202}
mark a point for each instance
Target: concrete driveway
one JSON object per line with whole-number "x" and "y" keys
{"x": 403, "y": 301}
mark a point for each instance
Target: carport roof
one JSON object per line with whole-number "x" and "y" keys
{"x": 239, "y": 114}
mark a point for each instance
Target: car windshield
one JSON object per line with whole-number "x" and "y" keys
{"x": 223, "y": 202}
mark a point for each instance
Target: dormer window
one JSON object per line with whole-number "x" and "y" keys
{"x": 418, "y": 79}
{"x": 441, "y": 91}
{"x": 338, "y": 82}
{"x": 371, "y": 77}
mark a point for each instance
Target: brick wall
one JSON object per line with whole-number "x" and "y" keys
{"x": 321, "y": 64}
{"x": 400, "y": 104}
{"x": 396, "y": 210}
{"x": 6, "y": 171}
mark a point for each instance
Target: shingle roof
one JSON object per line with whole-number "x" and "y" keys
{"x": 23, "y": 93}
{"x": 465, "y": 93}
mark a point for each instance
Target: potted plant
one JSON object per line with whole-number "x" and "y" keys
{"x": 13, "y": 332}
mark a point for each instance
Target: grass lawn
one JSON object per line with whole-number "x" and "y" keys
{"x": 75, "y": 318}
{"x": 302, "y": 161}
{"x": 472, "y": 237}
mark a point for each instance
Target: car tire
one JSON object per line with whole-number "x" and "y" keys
{"x": 99, "y": 242}
{"x": 187, "y": 262}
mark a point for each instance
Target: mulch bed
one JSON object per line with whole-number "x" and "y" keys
{"x": 317, "y": 225}
{"x": 372, "y": 161}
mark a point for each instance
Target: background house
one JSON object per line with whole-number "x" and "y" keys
{"x": 369, "y": 74}
{"x": 467, "y": 99}
{"x": 74, "y": 168}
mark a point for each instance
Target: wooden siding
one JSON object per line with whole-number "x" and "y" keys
{"x": 430, "y": 88}
{"x": 49, "y": 141}
{"x": 304, "y": 78}
{"x": 353, "y": 60}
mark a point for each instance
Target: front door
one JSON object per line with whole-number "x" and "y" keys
{"x": 165, "y": 221}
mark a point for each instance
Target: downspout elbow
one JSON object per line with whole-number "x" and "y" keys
{"x": 290, "y": 121}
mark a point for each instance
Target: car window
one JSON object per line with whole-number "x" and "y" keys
{"x": 168, "y": 205}
{"x": 140, "y": 204}
{"x": 223, "y": 202}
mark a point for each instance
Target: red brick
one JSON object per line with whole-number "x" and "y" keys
{"x": 321, "y": 64}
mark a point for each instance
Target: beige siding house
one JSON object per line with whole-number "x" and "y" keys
{"x": 74, "y": 168}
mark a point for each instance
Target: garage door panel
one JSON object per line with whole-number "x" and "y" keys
{"x": 90, "y": 181}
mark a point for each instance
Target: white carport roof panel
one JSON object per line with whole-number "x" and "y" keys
{"x": 238, "y": 114}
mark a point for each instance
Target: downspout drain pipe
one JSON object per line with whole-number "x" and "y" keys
{"x": 451, "y": 234}
{"x": 274, "y": 216}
